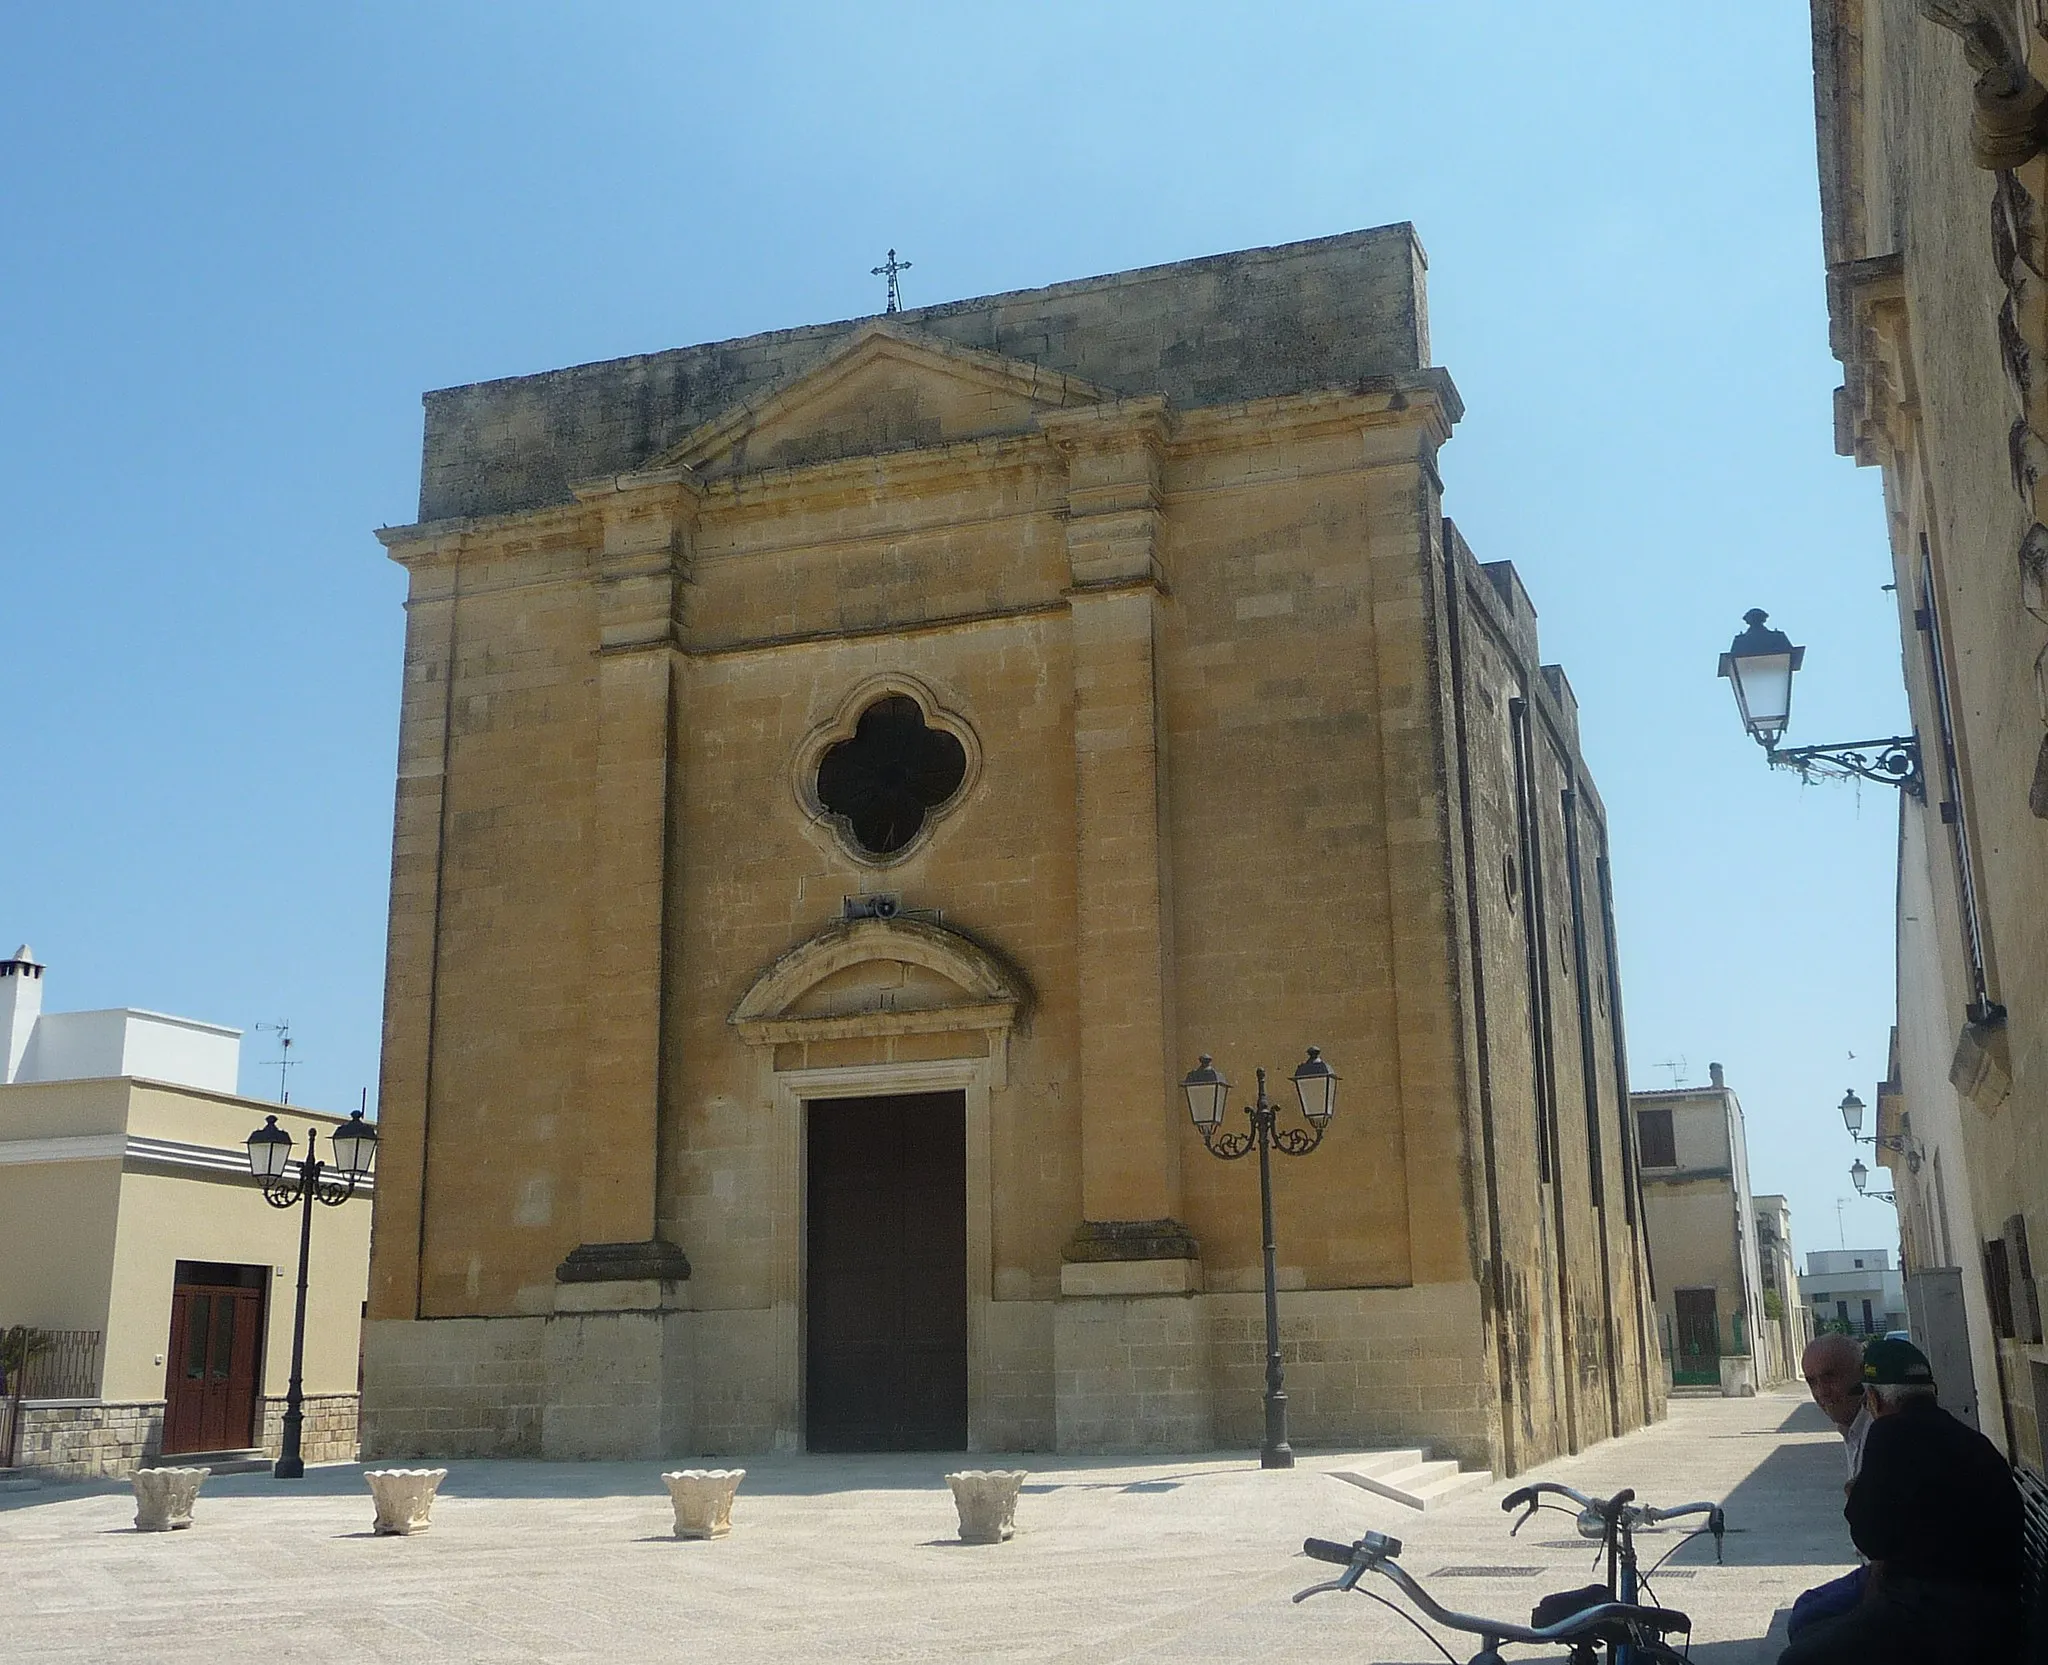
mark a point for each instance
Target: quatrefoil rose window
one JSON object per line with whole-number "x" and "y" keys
{"x": 884, "y": 782}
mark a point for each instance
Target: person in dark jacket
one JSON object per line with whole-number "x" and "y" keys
{"x": 1935, "y": 1509}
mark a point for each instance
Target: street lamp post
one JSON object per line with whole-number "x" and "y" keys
{"x": 1758, "y": 665}
{"x": 1315, "y": 1083}
{"x": 270, "y": 1151}
{"x": 1859, "y": 1176}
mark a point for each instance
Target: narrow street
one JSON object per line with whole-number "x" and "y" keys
{"x": 853, "y": 1558}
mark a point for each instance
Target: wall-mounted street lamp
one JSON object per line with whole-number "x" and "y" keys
{"x": 1315, "y": 1084}
{"x": 1859, "y": 1176}
{"x": 1759, "y": 666}
{"x": 270, "y": 1154}
{"x": 1902, "y": 1141}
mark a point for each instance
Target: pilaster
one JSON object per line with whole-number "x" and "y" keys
{"x": 405, "y": 1085}
{"x": 642, "y": 570}
{"x": 1129, "y": 1154}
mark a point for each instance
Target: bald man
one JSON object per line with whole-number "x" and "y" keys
{"x": 1833, "y": 1368}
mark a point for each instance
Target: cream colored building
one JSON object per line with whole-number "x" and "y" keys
{"x": 1934, "y": 195}
{"x": 1784, "y": 1325}
{"x": 129, "y": 1222}
{"x": 848, "y": 775}
{"x": 1703, "y": 1241}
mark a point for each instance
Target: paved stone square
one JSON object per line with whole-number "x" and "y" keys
{"x": 854, "y": 1558}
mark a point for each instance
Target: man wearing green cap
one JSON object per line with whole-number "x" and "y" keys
{"x": 1935, "y": 1509}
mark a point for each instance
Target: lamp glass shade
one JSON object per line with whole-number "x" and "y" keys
{"x": 1316, "y": 1083}
{"x": 1206, "y": 1090}
{"x": 355, "y": 1146}
{"x": 1759, "y": 665}
{"x": 270, "y": 1149}
{"x": 1859, "y": 1176}
{"x": 1852, "y": 1113}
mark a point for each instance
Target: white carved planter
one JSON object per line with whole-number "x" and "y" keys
{"x": 404, "y": 1498}
{"x": 987, "y": 1501}
{"x": 164, "y": 1497}
{"x": 703, "y": 1500}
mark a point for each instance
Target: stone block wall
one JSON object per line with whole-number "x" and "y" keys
{"x": 1132, "y": 1374}
{"x": 453, "y": 1387}
{"x": 605, "y": 1385}
{"x": 91, "y": 1439}
{"x": 1362, "y": 1367}
{"x": 85, "y": 1439}
{"x": 327, "y": 1435}
{"x": 1017, "y": 1402}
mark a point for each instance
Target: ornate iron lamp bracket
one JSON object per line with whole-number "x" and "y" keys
{"x": 1893, "y": 762}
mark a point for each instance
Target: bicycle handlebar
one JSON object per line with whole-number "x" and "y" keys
{"x": 1528, "y": 1494}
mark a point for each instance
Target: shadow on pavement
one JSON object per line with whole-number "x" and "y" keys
{"x": 1807, "y": 1418}
{"x": 1795, "y": 1497}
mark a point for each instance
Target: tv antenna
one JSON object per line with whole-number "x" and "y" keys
{"x": 1679, "y": 1069}
{"x": 889, "y": 271}
{"x": 1841, "y": 1240}
{"x": 284, "y": 1061}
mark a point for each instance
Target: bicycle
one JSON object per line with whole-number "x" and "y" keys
{"x": 1613, "y": 1521}
{"x": 1589, "y": 1621}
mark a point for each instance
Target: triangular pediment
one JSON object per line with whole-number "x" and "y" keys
{"x": 885, "y": 389}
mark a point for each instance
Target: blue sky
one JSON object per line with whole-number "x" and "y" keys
{"x": 240, "y": 240}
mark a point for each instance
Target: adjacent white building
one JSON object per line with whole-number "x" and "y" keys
{"x": 123, "y": 1040}
{"x": 1858, "y": 1289}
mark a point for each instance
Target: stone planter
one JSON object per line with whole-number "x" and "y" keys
{"x": 164, "y": 1497}
{"x": 404, "y": 1498}
{"x": 987, "y": 1501}
{"x": 703, "y": 1500}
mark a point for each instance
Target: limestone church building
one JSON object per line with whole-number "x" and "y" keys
{"x": 849, "y": 775}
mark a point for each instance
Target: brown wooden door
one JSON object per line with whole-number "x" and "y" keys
{"x": 210, "y": 1372}
{"x": 886, "y": 1294}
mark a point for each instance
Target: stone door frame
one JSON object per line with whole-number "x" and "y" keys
{"x": 974, "y": 1079}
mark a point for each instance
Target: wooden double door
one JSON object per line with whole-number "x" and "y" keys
{"x": 886, "y": 1261}
{"x": 213, "y": 1370}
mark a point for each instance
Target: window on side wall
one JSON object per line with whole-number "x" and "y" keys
{"x": 1654, "y": 1139}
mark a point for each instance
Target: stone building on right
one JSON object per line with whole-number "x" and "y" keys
{"x": 1934, "y": 198}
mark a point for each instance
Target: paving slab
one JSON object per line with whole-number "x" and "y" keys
{"x": 855, "y": 1559}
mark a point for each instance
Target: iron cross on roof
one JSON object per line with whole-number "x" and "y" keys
{"x": 889, "y": 271}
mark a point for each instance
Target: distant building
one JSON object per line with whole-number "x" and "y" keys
{"x": 133, "y": 1236}
{"x": 1858, "y": 1290}
{"x": 1703, "y": 1250}
{"x": 1785, "y": 1324}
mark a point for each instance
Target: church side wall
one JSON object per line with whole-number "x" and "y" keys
{"x": 1566, "y": 1276}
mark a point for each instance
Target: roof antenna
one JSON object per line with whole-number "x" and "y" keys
{"x": 889, "y": 271}
{"x": 284, "y": 1061}
{"x": 1678, "y": 1068}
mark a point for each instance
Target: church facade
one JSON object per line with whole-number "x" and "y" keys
{"x": 849, "y": 775}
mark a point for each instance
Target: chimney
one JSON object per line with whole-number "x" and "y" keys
{"x": 21, "y": 1003}
{"x": 1714, "y": 1075}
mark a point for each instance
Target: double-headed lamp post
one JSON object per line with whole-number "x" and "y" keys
{"x": 1315, "y": 1083}
{"x": 332, "y": 1183}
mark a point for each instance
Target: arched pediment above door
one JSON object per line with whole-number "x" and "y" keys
{"x": 881, "y": 977}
